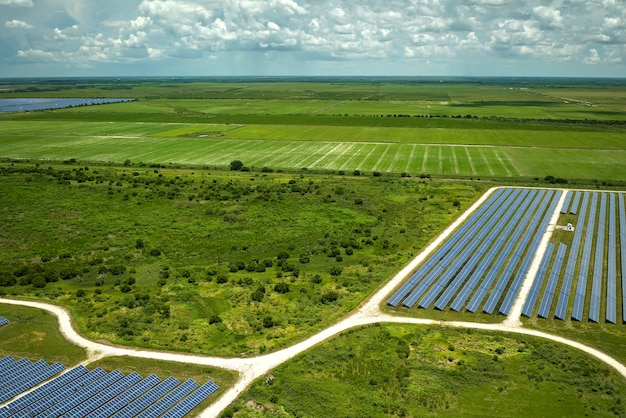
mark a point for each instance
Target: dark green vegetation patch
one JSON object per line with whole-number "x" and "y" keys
{"x": 397, "y": 370}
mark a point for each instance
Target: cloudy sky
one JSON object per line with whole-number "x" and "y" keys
{"x": 313, "y": 37}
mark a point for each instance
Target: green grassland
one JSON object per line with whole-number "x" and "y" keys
{"x": 401, "y": 370}
{"x": 216, "y": 262}
{"x": 35, "y": 334}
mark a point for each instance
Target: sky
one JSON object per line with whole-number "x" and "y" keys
{"x": 71, "y": 38}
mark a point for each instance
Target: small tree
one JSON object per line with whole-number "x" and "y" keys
{"x": 236, "y": 165}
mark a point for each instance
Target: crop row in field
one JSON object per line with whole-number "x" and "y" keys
{"x": 478, "y": 161}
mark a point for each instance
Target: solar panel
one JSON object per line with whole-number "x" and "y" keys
{"x": 83, "y": 394}
{"x": 169, "y": 400}
{"x": 598, "y": 264}
{"x": 566, "y": 202}
{"x": 458, "y": 244}
{"x": 61, "y": 394}
{"x": 622, "y": 242}
{"x": 611, "y": 276}
{"x": 186, "y": 405}
{"x": 147, "y": 398}
{"x": 581, "y": 288}
{"x": 482, "y": 268}
{"x": 13, "y": 369}
{"x": 100, "y": 398}
{"x": 495, "y": 200}
{"x": 546, "y": 301}
{"x": 3, "y": 321}
{"x": 575, "y": 203}
{"x": 531, "y": 299}
{"x": 31, "y": 381}
{"x": 125, "y": 398}
{"x": 528, "y": 228}
{"x": 23, "y": 373}
{"x": 533, "y": 237}
{"x": 46, "y": 389}
{"x": 464, "y": 254}
{"x": 566, "y": 286}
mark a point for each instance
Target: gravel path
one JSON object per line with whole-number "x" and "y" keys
{"x": 368, "y": 313}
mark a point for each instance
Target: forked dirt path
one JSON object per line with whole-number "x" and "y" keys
{"x": 369, "y": 312}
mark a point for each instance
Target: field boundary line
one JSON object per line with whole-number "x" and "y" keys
{"x": 455, "y": 161}
{"x": 482, "y": 154}
{"x": 425, "y": 159}
{"x": 498, "y": 155}
{"x": 360, "y": 165}
{"x": 381, "y": 158}
{"x": 511, "y": 160}
{"x": 411, "y": 158}
{"x": 471, "y": 161}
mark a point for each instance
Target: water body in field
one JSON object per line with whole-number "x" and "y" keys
{"x": 31, "y": 104}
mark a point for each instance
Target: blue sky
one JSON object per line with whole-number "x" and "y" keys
{"x": 569, "y": 38}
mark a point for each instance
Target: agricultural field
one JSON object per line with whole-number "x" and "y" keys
{"x": 472, "y": 129}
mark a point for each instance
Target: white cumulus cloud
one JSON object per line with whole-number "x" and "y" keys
{"x": 19, "y": 24}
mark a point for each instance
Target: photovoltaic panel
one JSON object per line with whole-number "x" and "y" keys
{"x": 60, "y": 394}
{"x": 186, "y": 405}
{"x": 147, "y": 399}
{"x": 484, "y": 267}
{"x": 43, "y": 390}
{"x": 534, "y": 237}
{"x": 622, "y": 243}
{"x": 452, "y": 267}
{"x": 31, "y": 381}
{"x": 496, "y": 233}
{"x": 495, "y": 200}
{"x": 3, "y": 321}
{"x": 25, "y": 372}
{"x": 519, "y": 240}
{"x": 598, "y": 264}
{"x": 500, "y": 263}
{"x": 583, "y": 272}
{"x": 566, "y": 202}
{"x": 6, "y": 360}
{"x": 457, "y": 247}
{"x": 574, "y": 207}
{"x": 529, "y": 306}
{"x": 125, "y": 398}
{"x": 105, "y": 395}
{"x": 568, "y": 278}
{"x": 611, "y": 279}
{"x": 14, "y": 369}
{"x": 546, "y": 302}
{"x": 82, "y": 395}
{"x": 169, "y": 400}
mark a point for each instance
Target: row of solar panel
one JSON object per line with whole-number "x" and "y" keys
{"x": 497, "y": 242}
{"x": 96, "y": 393}
{"x": 3, "y": 321}
{"x": 596, "y": 231}
{"x": 569, "y": 205}
{"x": 19, "y": 376}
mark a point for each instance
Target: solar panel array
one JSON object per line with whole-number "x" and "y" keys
{"x": 3, "y": 321}
{"x": 19, "y": 376}
{"x": 80, "y": 392}
{"x": 487, "y": 257}
{"x": 600, "y": 231}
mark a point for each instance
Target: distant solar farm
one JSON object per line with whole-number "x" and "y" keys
{"x": 95, "y": 393}
{"x": 482, "y": 266}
